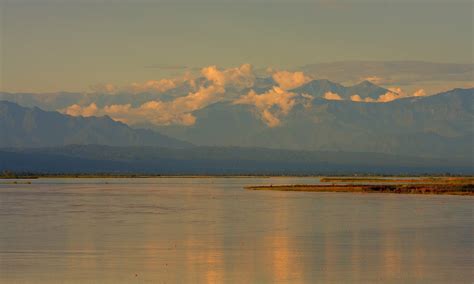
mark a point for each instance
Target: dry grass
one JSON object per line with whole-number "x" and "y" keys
{"x": 428, "y": 188}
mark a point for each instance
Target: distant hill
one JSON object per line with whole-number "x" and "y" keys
{"x": 433, "y": 126}
{"x": 217, "y": 161}
{"x": 33, "y": 127}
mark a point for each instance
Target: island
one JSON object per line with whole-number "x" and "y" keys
{"x": 452, "y": 186}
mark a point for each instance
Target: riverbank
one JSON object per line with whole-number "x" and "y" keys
{"x": 429, "y": 188}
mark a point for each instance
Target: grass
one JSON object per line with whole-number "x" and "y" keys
{"x": 452, "y": 186}
{"x": 399, "y": 180}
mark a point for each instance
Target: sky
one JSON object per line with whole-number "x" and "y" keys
{"x": 53, "y": 45}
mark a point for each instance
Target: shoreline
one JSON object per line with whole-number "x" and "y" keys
{"x": 407, "y": 188}
{"x": 323, "y": 178}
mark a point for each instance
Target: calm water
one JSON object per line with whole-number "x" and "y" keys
{"x": 211, "y": 230}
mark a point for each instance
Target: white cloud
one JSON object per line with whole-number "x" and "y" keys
{"x": 391, "y": 95}
{"x": 267, "y": 101}
{"x": 420, "y": 93}
{"x": 177, "y": 111}
{"x": 290, "y": 80}
{"x": 376, "y": 80}
{"x": 272, "y": 105}
{"x": 357, "y": 98}
{"x": 332, "y": 96}
{"x": 77, "y": 110}
{"x": 160, "y": 86}
{"x": 241, "y": 77}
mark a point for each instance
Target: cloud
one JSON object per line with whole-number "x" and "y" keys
{"x": 374, "y": 79}
{"x": 160, "y": 86}
{"x": 391, "y": 95}
{"x": 289, "y": 80}
{"x": 77, "y": 110}
{"x": 270, "y": 119}
{"x": 271, "y": 105}
{"x": 357, "y": 98}
{"x": 420, "y": 93}
{"x": 150, "y": 86}
{"x": 177, "y": 111}
{"x": 241, "y": 77}
{"x": 332, "y": 96}
{"x": 265, "y": 103}
{"x": 398, "y": 93}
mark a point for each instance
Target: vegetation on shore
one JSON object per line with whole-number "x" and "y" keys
{"x": 431, "y": 179}
{"x": 6, "y": 174}
{"x": 454, "y": 187}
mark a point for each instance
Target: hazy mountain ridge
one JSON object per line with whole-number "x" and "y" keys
{"x": 434, "y": 77}
{"x": 33, "y": 127}
{"x": 426, "y": 126}
{"x": 62, "y": 100}
{"x": 434, "y": 126}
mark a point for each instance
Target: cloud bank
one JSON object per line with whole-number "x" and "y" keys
{"x": 210, "y": 86}
{"x": 393, "y": 94}
{"x": 290, "y": 80}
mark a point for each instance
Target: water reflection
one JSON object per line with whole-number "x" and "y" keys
{"x": 213, "y": 231}
{"x": 285, "y": 265}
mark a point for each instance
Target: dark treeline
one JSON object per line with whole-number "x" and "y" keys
{"x": 131, "y": 161}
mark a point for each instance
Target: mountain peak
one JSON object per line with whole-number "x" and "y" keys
{"x": 366, "y": 83}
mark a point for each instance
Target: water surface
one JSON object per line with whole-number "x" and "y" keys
{"x": 195, "y": 230}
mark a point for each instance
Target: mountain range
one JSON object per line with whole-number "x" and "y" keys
{"x": 429, "y": 127}
{"x": 439, "y": 125}
{"x": 33, "y": 127}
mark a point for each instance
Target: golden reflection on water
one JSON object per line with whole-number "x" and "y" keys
{"x": 391, "y": 250}
{"x": 209, "y": 235}
{"x": 419, "y": 258}
{"x": 204, "y": 255}
{"x": 356, "y": 255}
{"x": 285, "y": 266}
